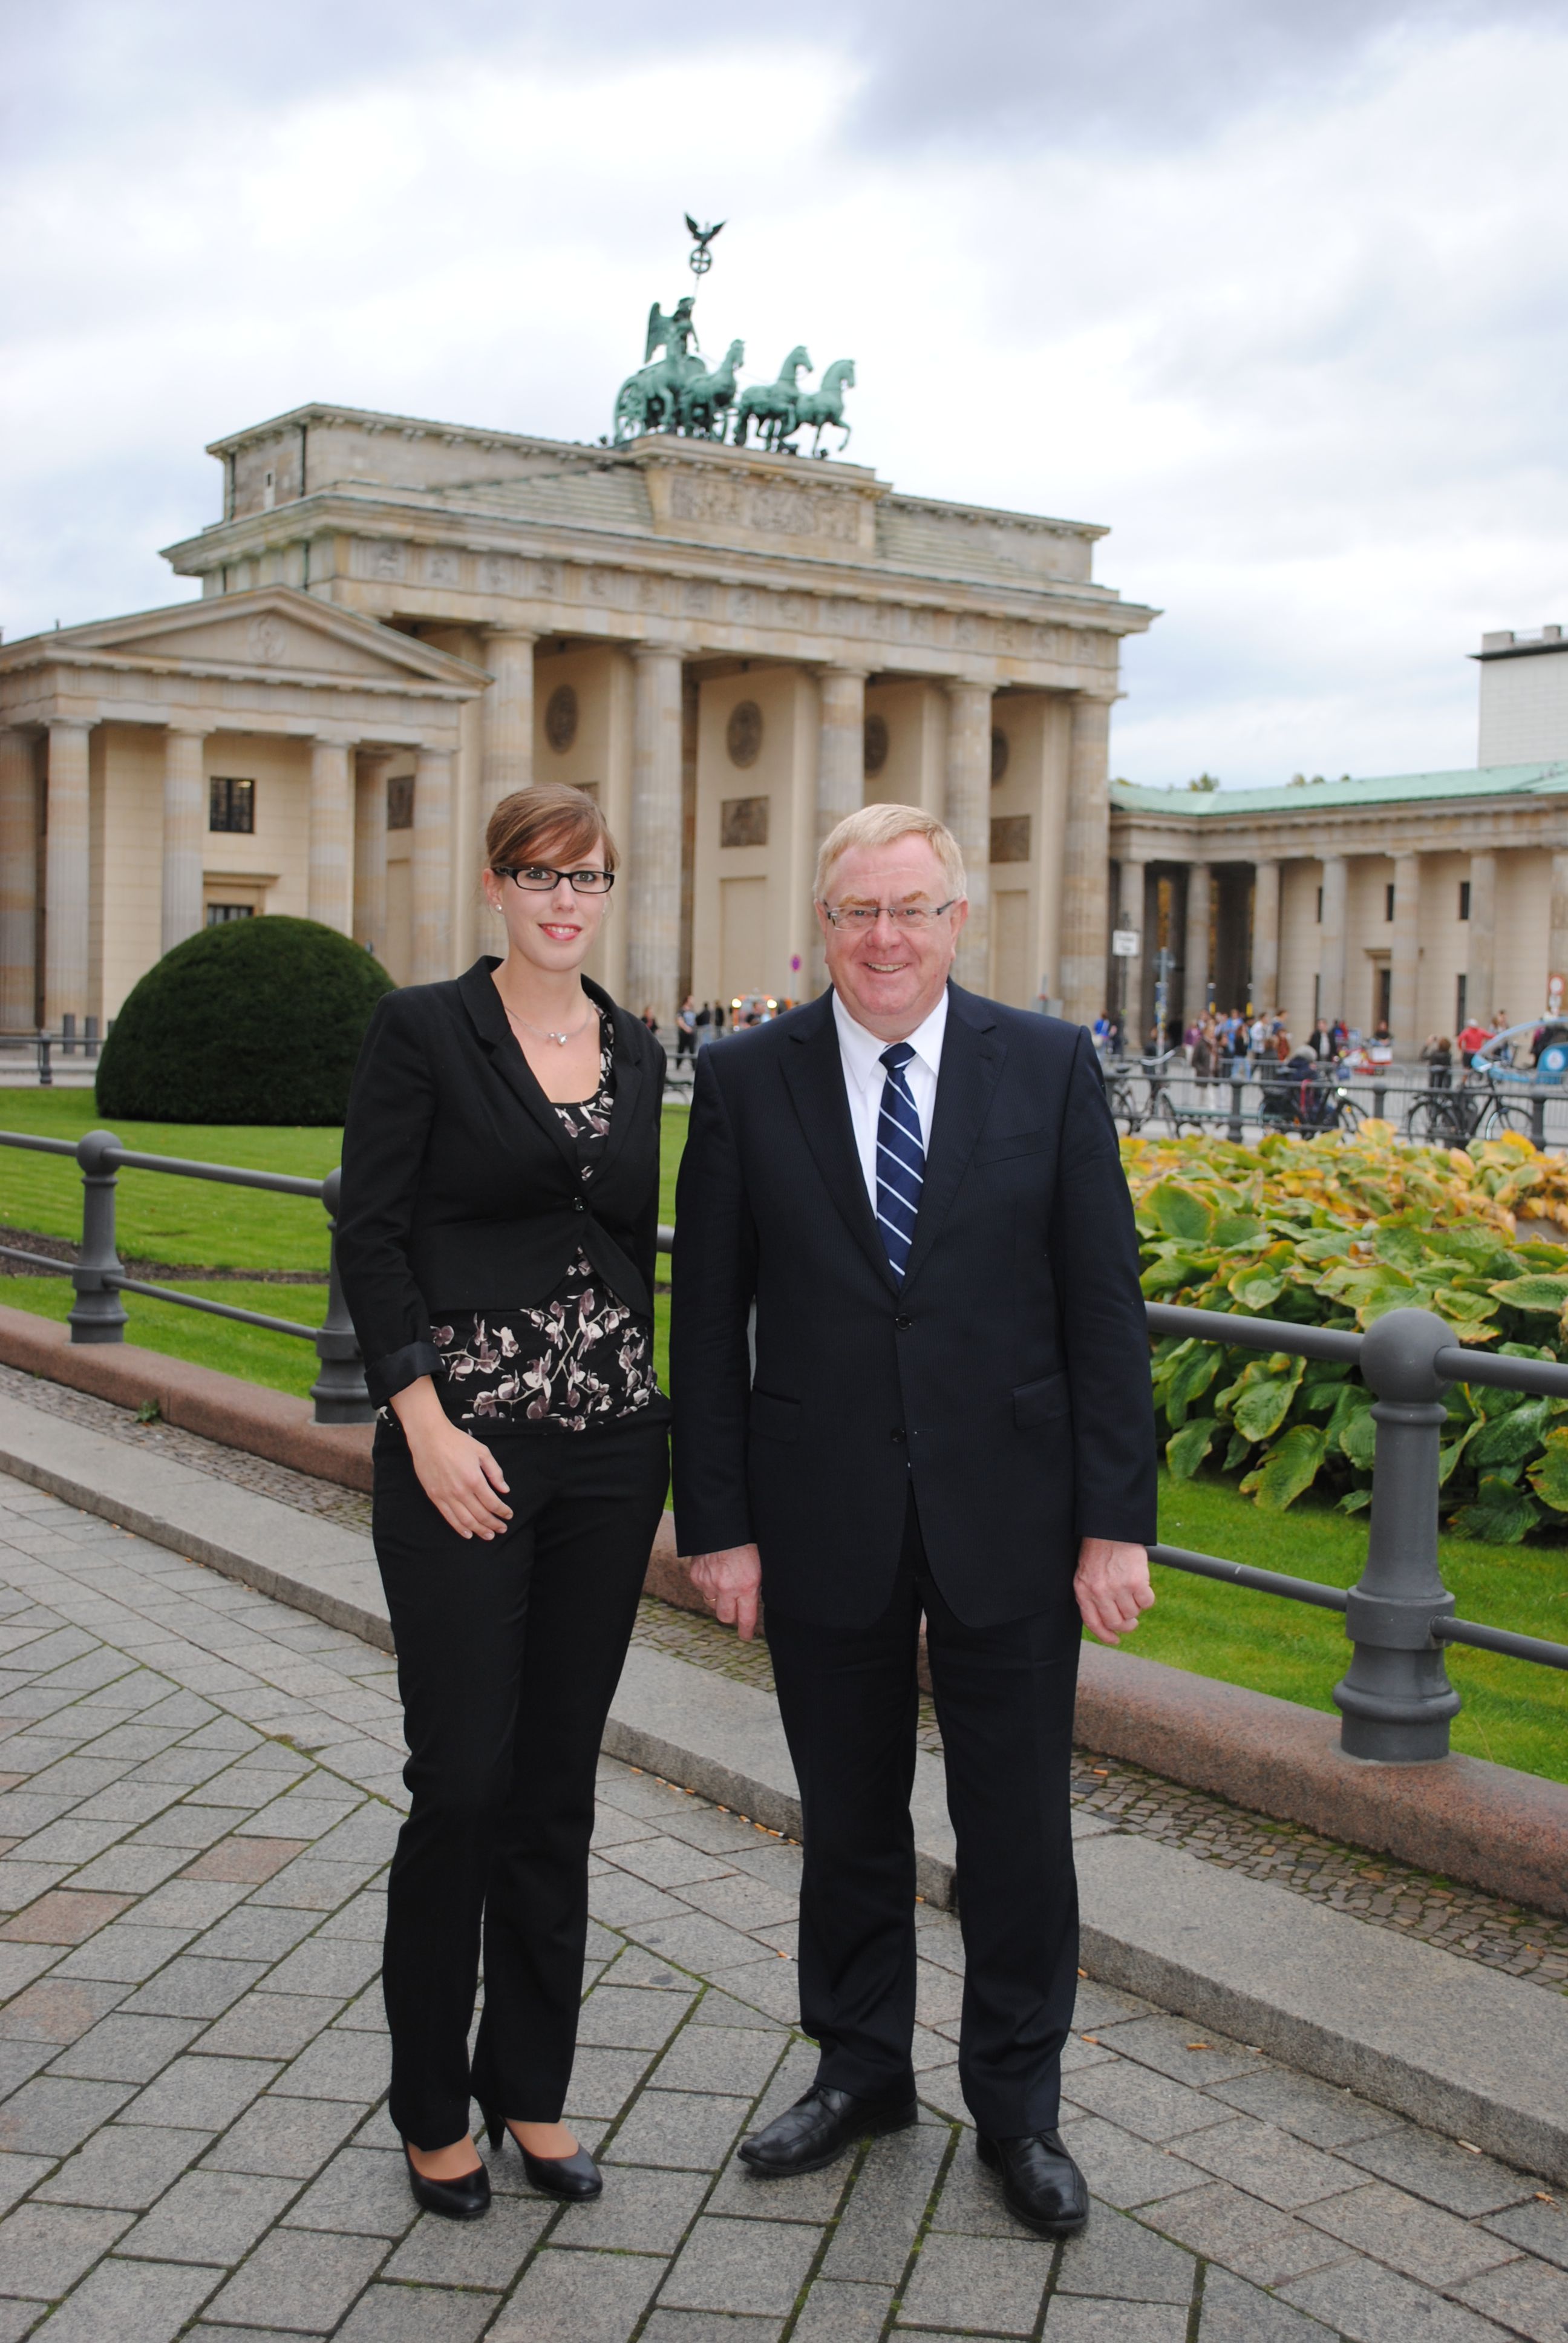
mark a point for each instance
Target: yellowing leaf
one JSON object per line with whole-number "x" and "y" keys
{"x": 1181, "y": 1211}
{"x": 1289, "y": 1467}
{"x": 1549, "y": 1478}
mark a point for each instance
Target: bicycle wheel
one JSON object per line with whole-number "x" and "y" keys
{"x": 1504, "y": 1116}
{"x": 1349, "y": 1116}
{"x": 1425, "y": 1122}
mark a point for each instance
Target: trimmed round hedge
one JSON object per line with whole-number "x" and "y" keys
{"x": 258, "y": 1020}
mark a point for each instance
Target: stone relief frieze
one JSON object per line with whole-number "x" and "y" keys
{"x": 498, "y": 574}
{"x": 387, "y": 560}
{"x": 773, "y": 509}
{"x": 441, "y": 568}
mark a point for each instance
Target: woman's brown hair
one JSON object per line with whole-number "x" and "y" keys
{"x": 549, "y": 823}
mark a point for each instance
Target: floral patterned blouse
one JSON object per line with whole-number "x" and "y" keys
{"x": 579, "y": 1359}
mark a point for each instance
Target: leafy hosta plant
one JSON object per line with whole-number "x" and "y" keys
{"x": 1334, "y": 1233}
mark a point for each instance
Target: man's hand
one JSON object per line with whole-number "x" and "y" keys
{"x": 1111, "y": 1584}
{"x": 729, "y": 1584}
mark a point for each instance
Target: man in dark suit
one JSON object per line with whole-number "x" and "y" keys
{"x": 949, "y": 1412}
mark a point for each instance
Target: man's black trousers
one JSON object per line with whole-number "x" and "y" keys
{"x": 1004, "y": 1700}
{"x": 507, "y": 1658}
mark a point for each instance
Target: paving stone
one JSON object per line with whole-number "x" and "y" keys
{"x": 885, "y": 2207}
{"x": 364, "y": 1916}
{"x": 123, "y": 2050}
{"x": 1258, "y": 2241}
{"x": 291, "y": 2137}
{"x": 44, "y": 2249}
{"x": 299, "y": 2280}
{"x": 578, "y": 2297}
{"x": 19, "y": 2061}
{"x": 1529, "y": 2297}
{"x": 193, "y": 1987}
{"x": 363, "y": 2190}
{"x": 691, "y": 2131}
{"x": 125, "y": 1954}
{"x": 992, "y": 2284}
{"x": 246, "y": 1861}
{"x": 209, "y": 2092}
{"x": 324, "y": 1966}
{"x": 208, "y": 2217}
{"x": 814, "y": 2197}
{"x": 1410, "y": 2235}
{"x": 693, "y": 1942}
{"x": 178, "y": 1824}
{"x": 127, "y": 2164}
{"x": 20, "y": 1964}
{"x": 839, "y": 2313}
{"x": 1539, "y": 2228}
{"x": 769, "y": 1988}
{"x": 309, "y": 1885}
{"x": 643, "y": 2210}
{"x": 617, "y": 1899}
{"x": 140, "y": 2302}
{"x": 603, "y": 2080}
{"x": 57, "y": 2009}
{"x": 971, "y": 2201}
{"x": 130, "y": 1870}
{"x": 1266, "y": 2162}
{"x": 51, "y": 2115}
{"x": 423, "y": 2314}
{"x": 1116, "y": 2259}
{"x": 66, "y": 1917}
{"x": 1235, "y": 2312}
{"x": 1316, "y": 2112}
{"x": 741, "y": 2266}
{"x": 709, "y": 2327}
{"x": 617, "y": 2017}
{"x": 487, "y": 2253}
{"x": 1121, "y": 2170}
{"x": 16, "y": 2320}
{"x": 662, "y": 1862}
{"x": 1428, "y": 2165}
{"x": 340, "y": 2064}
{"x": 188, "y": 1904}
{"x": 1178, "y": 2047}
{"x": 1070, "y": 2320}
{"x": 1151, "y": 2105}
{"x": 1366, "y": 2304}
{"x": 255, "y": 1932}
{"x": 366, "y": 2014}
{"x": 742, "y": 1902}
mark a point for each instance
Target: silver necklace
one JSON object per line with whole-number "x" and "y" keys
{"x": 560, "y": 1039}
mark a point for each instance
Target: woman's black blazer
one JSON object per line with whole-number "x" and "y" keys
{"x": 461, "y": 1190}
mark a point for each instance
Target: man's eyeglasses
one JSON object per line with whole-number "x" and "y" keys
{"x": 859, "y": 917}
{"x": 538, "y": 879}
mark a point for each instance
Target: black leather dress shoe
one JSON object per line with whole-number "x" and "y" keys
{"x": 819, "y": 2127}
{"x": 463, "y": 2199}
{"x": 1039, "y": 2181}
{"x": 576, "y": 2178}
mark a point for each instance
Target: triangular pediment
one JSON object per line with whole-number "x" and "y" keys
{"x": 273, "y": 630}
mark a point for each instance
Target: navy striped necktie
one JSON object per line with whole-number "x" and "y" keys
{"x": 900, "y": 1160}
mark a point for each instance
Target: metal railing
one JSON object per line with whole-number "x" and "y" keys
{"x": 44, "y": 1046}
{"x": 97, "y": 1315}
{"x": 1165, "y": 1096}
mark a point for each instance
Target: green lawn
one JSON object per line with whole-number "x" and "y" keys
{"x": 1514, "y": 1713}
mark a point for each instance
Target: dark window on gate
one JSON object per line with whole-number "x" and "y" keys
{"x": 1384, "y": 983}
{"x": 1010, "y": 838}
{"x": 876, "y": 744}
{"x": 743, "y": 821}
{"x": 401, "y": 801}
{"x": 218, "y": 915}
{"x": 1464, "y": 909}
{"x": 1320, "y": 910}
{"x": 231, "y": 804}
{"x": 1388, "y": 902}
{"x": 1461, "y": 1015}
{"x": 1001, "y": 749}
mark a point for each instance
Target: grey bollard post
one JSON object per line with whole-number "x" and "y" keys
{"x": 1379, "y": 1100}
{"x": 46, "y": 1071}
{"x": 339, "y": 1390}
{"x": 98, "y": 1315}
{"x": 1395, "y": 1698}
{"x": 1233, "y": 1130}
{"x": 1538, "y": 1119}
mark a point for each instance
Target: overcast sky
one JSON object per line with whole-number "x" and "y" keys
{"x": 1274, "y": 290}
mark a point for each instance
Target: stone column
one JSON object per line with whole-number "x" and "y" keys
{"x": 331, "y": 890}
{"x": 18, "y": 882}
{"x": 1404, "y": 966}
{"x": 1085, "y": 862}
{"x": 1482, "y": 954}
{"x": 1557, "y": 945}
{"x": 1132, "y": 888}
{"x": 653, "y": 859}
{"x": 1195, "y": 953}
{"x": 184, "y": 828}
{"x": 370, "y": 851}
{"x": 507, "y": 713}
{"x": 1265, "y": 985}
{"x": 1332, "y": 941}
{"x": 67, "y": 878}
{"x": 969, "y": 819}
{"x": 841, "y": 771}
{"x": 432, "y": 861}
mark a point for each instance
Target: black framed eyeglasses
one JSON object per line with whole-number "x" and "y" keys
{"x": 538, "y": 879}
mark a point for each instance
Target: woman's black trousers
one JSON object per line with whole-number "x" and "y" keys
{"x": 507, "y": 1658}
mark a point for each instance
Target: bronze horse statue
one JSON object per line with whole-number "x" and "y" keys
{"x": 774, "y": 406}
{"x": 825, "y": 405}
{"x": 704, "y": 402}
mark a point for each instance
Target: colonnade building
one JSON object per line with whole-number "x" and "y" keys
{"x": 401, "y": 621}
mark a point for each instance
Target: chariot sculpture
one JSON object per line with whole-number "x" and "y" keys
{"x": 675, "y": 389}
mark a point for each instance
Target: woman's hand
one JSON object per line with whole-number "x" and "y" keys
{"x": 458, "y": 1474}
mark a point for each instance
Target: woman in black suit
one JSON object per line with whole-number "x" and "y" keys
{"x": 497, "y": 1240}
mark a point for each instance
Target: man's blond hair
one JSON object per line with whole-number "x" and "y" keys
{"x": 884, "y": 825}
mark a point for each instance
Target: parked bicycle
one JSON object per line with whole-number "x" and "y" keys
{"x": 1300, "y": 1096}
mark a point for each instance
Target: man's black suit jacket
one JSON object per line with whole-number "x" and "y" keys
{"x": 460, "y": 1187}
{"x": 1008, "y": 1375}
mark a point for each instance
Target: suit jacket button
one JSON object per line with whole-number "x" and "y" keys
{"x": 903, "y": 1324}
{"x": 578, "y": 1204}
{"x": 897, "y": 1439}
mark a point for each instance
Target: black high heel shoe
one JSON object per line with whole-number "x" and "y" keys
{"x": 463, "y": 2199}
{"x": 577, "y": 2178}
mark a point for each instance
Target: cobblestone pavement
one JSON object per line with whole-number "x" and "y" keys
{"x": 1463, "y": 1920}
{"x": 200, "y": 1795}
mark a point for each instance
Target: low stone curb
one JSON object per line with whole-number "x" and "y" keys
{"x": 1440, "y": 2040}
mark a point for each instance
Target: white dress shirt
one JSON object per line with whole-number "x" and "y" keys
{"x": 860, "y": 1054}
